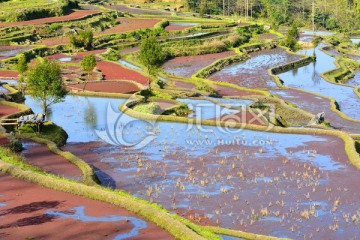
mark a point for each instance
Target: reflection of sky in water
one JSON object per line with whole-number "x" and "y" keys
{"x": 12, "y": 52}
{"x": 65, "y": 59}
{"x": 355, "y": 40}
{"x": 129, "y": 65}
{"x": 189, "y": 35}
{"x": 191, "y": 141}
{"x": 307, "y": 35}
{"x": 79, "y": 116}
{"x": 9, "y": 81}
{"x": 224, "y": 237}
{"x": 183, "y": 24}
{"x": 308, "y": 78}
{"x": 252, "y": 73}
{"x": 79, "y": 215}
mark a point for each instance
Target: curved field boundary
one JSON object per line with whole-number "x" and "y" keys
{"x": 333, "y": 103}
{"x": 340, "y": 74}
{"x": 74, "y": 89}
{"x": 89, "y": 176}
{"x": 348, "y": 140}
{"x": 149, "y": 212}
{"x": 240, "y": 234}
{"x": 74, "y": 16}
{"x": 219, "y": 64}
{"x": 176, "y": 225}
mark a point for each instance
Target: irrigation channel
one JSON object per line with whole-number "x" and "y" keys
{"x": 219, "y": 176}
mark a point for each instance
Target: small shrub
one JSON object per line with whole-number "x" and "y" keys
{"x": 48, "y": 131}
{"x": 150, "y": 108}
{"x": 16, "y": 145}
{"x": 55, "y": 26}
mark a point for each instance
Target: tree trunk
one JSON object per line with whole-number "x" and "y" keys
{"x": 86, "y": 81}
{"x": 149, "y": 80}
{"x": 45, "y": 107}
{"x": 224, "y": 7}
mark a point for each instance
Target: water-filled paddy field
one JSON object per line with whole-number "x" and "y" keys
{"x": 269, "y": 183}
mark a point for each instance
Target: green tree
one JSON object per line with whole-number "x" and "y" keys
{"x": 84, "y": 39}
{"x": 315, "y": 42}
{"x": 45, "y": 83}
{"x": 292, "y": 37}
{"x": 151, "y": 55}
{"x": 22, "y": 67}
{"x": 88, "y": 63}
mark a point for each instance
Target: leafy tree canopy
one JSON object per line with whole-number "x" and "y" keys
{"x": 45, "y": 83}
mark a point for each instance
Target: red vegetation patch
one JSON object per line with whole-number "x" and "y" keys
{"x": 8, "y": 74}
{"x": 26, "y": 204}
{"x": 129, "y": 24}
{"x": 113, "y": 71}
{"x": 184, "y": 85}
{"x": 76, "y": 58}
{"x": 40, "y": 156}
{"x": 229, "y": 91}
{"x": 124, "y": 8}
{"x": 4, "y": 141}
{"x": 129, "y": 50}
{"x": 109, "y": 87}
{"x": 72, "y": 16}
{"x": 7, "y": 110}
{"x": 267, "y": 36}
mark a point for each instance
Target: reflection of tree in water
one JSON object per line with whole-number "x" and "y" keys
{"x": 90, "y": 115}
{"x": 315, "y": 75}
{"x": 295, "y": 72}
{"x": 49, "y": 113}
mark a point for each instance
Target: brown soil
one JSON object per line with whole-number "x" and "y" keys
{"x": 189, "y": 65}
{"x": 39, "y": 155}
{"x": 110, "y": 87}
{"x": 113, "y": 71}
{"x": 72, "y": 16}
{"x": 267, "y": 36}
{"x": 242, "y": 24}
{"x": 24, "y": 216}
{"x": 129, "y": 50}
{"x": 129, "y": 24}
{"x": 8, "y": 74}
{"x": 55, "y": 41}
